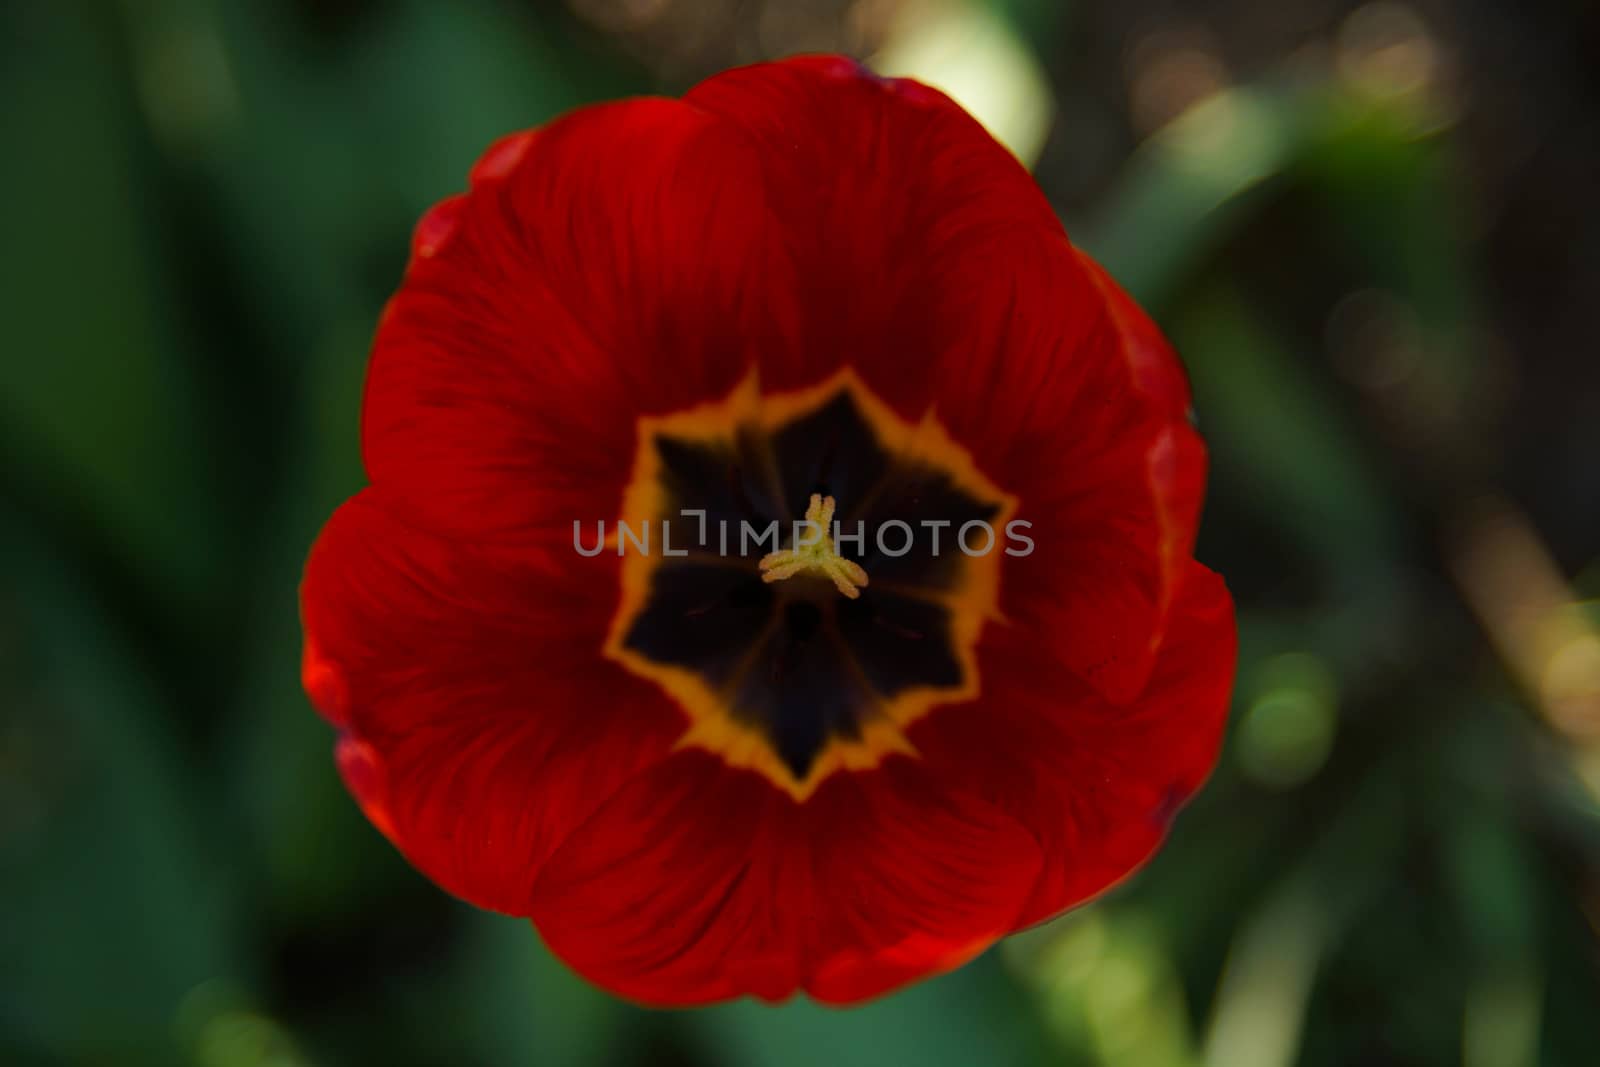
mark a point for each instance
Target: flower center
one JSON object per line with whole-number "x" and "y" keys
{"x": 762, "y": 626}
{"x": 814, "y": 553}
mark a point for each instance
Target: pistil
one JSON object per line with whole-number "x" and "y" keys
{"x": 816, "y": 557}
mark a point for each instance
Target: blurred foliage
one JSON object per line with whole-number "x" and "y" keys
{"x": 1366, "y": 227}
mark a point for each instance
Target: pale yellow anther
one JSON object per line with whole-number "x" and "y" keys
{"x": 816, "y": 557}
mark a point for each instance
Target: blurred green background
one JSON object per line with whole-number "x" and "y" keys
{"x": 1369, "y": 228}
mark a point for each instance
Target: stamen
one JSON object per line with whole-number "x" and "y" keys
{"x": 819, "y": 557}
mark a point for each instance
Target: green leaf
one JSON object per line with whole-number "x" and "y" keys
{"x": 100, "y": 424}
{"x": 117, "y": 907}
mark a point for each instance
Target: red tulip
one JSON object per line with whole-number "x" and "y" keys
{"x": 813, "y": 763}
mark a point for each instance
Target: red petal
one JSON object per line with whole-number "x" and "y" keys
{"x": 1109, "y": 557}
{"x": 916, "y": 877}
{"x": 481, "y": 721}
{"x": 672, "y": 893}
{"x": 697, "y": 883}
{"x": 1091, "y": 434}
{"x": 1095, "y": 443}
{"x": 613, "y": 263}
{"x": 884, "y": 187}
{"x": 1098, "y": 783}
